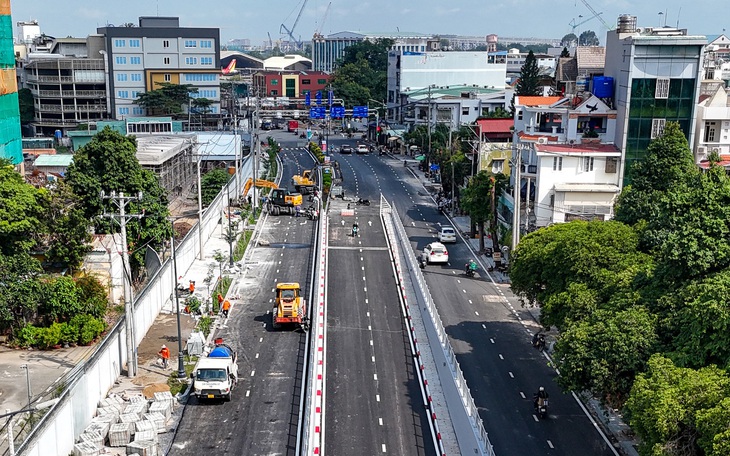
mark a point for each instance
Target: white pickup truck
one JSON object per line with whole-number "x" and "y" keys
{"x": 216, "y": 374}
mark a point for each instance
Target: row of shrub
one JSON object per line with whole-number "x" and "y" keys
{"x": 81, "y": 329}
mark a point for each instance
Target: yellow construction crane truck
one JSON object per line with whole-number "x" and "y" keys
{"x": 290, "y": 307}
{"x": 279, "y": 200}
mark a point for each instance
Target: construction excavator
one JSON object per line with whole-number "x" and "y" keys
{"x": 279, "y": 200}
{"x": 304, "y": 183}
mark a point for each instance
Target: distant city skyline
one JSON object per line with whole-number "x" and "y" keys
{"x": 512, "y": 18}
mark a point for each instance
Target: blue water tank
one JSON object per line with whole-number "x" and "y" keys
{"x": 603, "y": 86}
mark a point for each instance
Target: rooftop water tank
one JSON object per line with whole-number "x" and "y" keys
{"x": 603, "y": 86}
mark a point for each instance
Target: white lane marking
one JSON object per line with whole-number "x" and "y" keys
{"x": 534, "y": 417}
{"x": 490, "y": 339}
{"x": 373, "y": 358}
{"x": 363, "y": 277}
{"x": 367, "y": 314}
{"x": 523, "y": 395}
{"x": 484, "y": 326}
{"x": 476, "y": 313}
{"x": 380, "y": 421}
{"x": 371, "y": 342}
{"x": 257, "y": 356}
{"x": 501, "y": 357}
{"x": 458, "y": 281}
{"x": 370, "y": 328}
{"x": 363, "y": 268}
{"x": 384, "y": 449}
{"x": 377, "y": 397}
{"x": 248, "y": 393}
{"x": 550, "y": 444}
{"x": 253, "y": 372}
{"x": 366, "y": 301}
{"x": 511, "y": 375}
{"x": 470, "y": 302}
{"x": 375, "y": 377}
{"x": 261, "y": 339}
{"x": 463, "y": 291}
{"x": 277, "y": 271}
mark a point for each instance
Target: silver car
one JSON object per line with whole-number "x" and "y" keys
{"x": 447, "y": 234}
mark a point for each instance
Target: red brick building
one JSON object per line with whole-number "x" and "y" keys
{"x": 291, "y": 84}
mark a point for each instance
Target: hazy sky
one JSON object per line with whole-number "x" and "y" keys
{"x": 253, "y": 19}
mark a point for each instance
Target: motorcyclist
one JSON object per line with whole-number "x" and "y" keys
{"x": 471, "y": 267}
{"x": 355, "y": 229}
{"x": 538, "y": 340}
{"x": 540, "y": 397}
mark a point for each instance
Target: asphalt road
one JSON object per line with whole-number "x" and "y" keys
{"x": 261, "y": 418}
{"x": 373, "y": 401}
{"x": 486, "y": 327}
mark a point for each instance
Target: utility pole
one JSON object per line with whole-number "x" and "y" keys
{"x": 517, "y": 164}
{"x": 121, "y": 202}
{"x": 180, "y": 361}
{"x": 429, "y": 119}
{"x": 255, "y": 150}
{"x": 453, "y": 184}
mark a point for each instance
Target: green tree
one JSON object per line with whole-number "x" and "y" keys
{"x": 529, "y": 81}
{"x": 27, "y": 108}
{"x": 668, "y": 406}
{"x": 169, "y": 99}
{"x": 361, "y": 74}
{"x": 477, "y": 200}
{"x": 211, "y": 184}
{"x": 588, "y": 38}
{"x": 62, "y": 300}
{"x": 20, "y": 217}
{"x": 565, "y": 53}
{"x": 22, "y": 291}
{"x": 66, "y": 234}
{"x": 109, "y": 163}
{"x": 603, "y": 353}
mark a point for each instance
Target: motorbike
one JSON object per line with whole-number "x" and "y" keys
{"x": 538, "y": 341}
{"x": 364, "y": 202}
{"x": 355, "y": 230}
{"x": 541, "y": 407}
{"x": 302, "y": 136}
{"x": 311, "y": 213}
{"x": 468, "y": 270}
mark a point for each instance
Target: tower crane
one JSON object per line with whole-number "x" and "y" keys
{"x": 290, "y": 31}
{"x": 597, "y": 14}
{"x": 271, "y": 43}
{"x": 575, "y": 25}
{"x": 324, "y": 19}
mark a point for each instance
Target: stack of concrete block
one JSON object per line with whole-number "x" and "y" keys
{"x": 138, "y": 408}
{"x": 165, "y": 396}
{"x": 158, "y": 419}
{"x": 120, "y": 434}
{"x": 86, "y": 449}
{"x": 145, "y": 427}
{"x": 143, "y": 448}
{"x": 162, "y": 408}
{"x": 101, "y": 425}
{"x": 92, "y": 436}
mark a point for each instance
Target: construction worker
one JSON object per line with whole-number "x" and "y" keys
{"x": 220, "y": 299}
{"x": 192, "y": 286}
{"x": 226, "y": 307}
{"x": 165, "y": 355}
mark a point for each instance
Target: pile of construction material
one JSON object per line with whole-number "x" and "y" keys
{"x": 133, "y": 423}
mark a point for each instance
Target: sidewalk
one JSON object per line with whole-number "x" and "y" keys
{"x": 611, "y": 420}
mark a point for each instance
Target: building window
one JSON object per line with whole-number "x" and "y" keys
{"x": 611, "y": 165}
{"x": 138, "y": 111}
{"x": 121, "y": 77}
{"x": 123, "y": 111}
{"x": 135, "y": 93}
{"x": 206, "y": 60}
{"x": 165, "y": 43}
{"x": 166, "y": 60}
{"x": 465, "y": 111}
{"x": 191, "y": 43}
{"x": 662, "y": 88}
{"x": 120, "y": 43}
{"x": 121, "y": 60}
{"x": 191, "y": 60}
{"x": 122, "y": 93}
{"x": 588, "y": 163}
{"x": 519, "y": 114}
{"x": 657, "y": 127}
{"x": 497, "y": 166}
{"x": 274, "y": 93}
{"x": 135, "y": 60}
{"x": 206, "y": 44}
{"x": 167, "y": 77}
{"x": 306, "y": 81}
{"x": 274, "y": 82}
{"x": 710, "y": 128}
{"x": 134, "y": 43}
{"x": 136, "y": 77}
{"x": 321, "y": 81}
{"x": 557, "y": 163}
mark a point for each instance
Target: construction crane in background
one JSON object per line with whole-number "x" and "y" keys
{"x": 271, "y": 43}
{"x": 324, "y": 19}
{"x": 575, "y": 25}
{"x": 597, "y": 14}
{"x": 290, "y": 31}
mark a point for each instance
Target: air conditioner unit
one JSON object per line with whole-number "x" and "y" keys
{"x": 571, "y": 141}
{"x": 701, "y": 150}
{"x": 542, "y": 140}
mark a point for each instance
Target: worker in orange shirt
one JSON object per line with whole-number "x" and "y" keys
{"x": 165, "y": 355}
{"x": 226, "y": 307}
{"x": 192, "y": 286}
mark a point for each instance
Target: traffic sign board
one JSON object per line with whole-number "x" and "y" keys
{"x": 359, "y": 111}
{"x": 317, "y": 112}
{"x": 337, "y": 112}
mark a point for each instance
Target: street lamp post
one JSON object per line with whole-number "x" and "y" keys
{"x": 230, "y": 229}
{"x": 27, "y": 380}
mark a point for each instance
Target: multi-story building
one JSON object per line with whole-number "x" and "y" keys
{"x": 657, "y": 74}
{"x": 10, "y": 143}
{"x": 67, "y": 80}
{"x": 290, "y": 84}
{"x": 326, "y": 51}
{"x": 159, "y": 51}
{"x": 713, "y": 128}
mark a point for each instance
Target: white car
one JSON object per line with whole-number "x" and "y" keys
{"x": 435, "y": 252}
{"x": 362, "y": 149}
{"x": 447, "y": 234}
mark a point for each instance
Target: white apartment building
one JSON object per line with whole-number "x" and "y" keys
{"x": 159, "y": 51}
{"x": 712, "y": 132}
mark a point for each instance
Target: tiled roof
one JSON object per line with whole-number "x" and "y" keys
{"x": 598, "y": 149}
{"x": 495, "y": 125}
{"x": 524, "y": 100}
{"x": 567, "y": 69}
{"x": 524, "y": 136}
{"x": 54, "y": 160}
{"x": 590, "y": 57}
{"x": 724, "y": 161}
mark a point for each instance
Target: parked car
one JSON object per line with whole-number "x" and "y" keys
{"x": 362, "y": 149}
{"x": 447, "y": 234}
{"x": 345, "y": 149}
{"x": 435, "y": 252}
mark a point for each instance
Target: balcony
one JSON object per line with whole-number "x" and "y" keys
{"x": 71, "y": 108}
{"x": 528, "y": 169}
{"x": 50, "y": 79}
{"x": 69, "y": 93}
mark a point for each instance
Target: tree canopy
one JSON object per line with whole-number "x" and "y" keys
{"x": 529, "y": 82}
{"x": 22, "y": 209}
{"x": 109, "y": 163}
{"x": 169, "y": 99}
{"x": 362, "y": 73}
{"x": 211, "y": 184}
{"x": 588, "y": 38}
